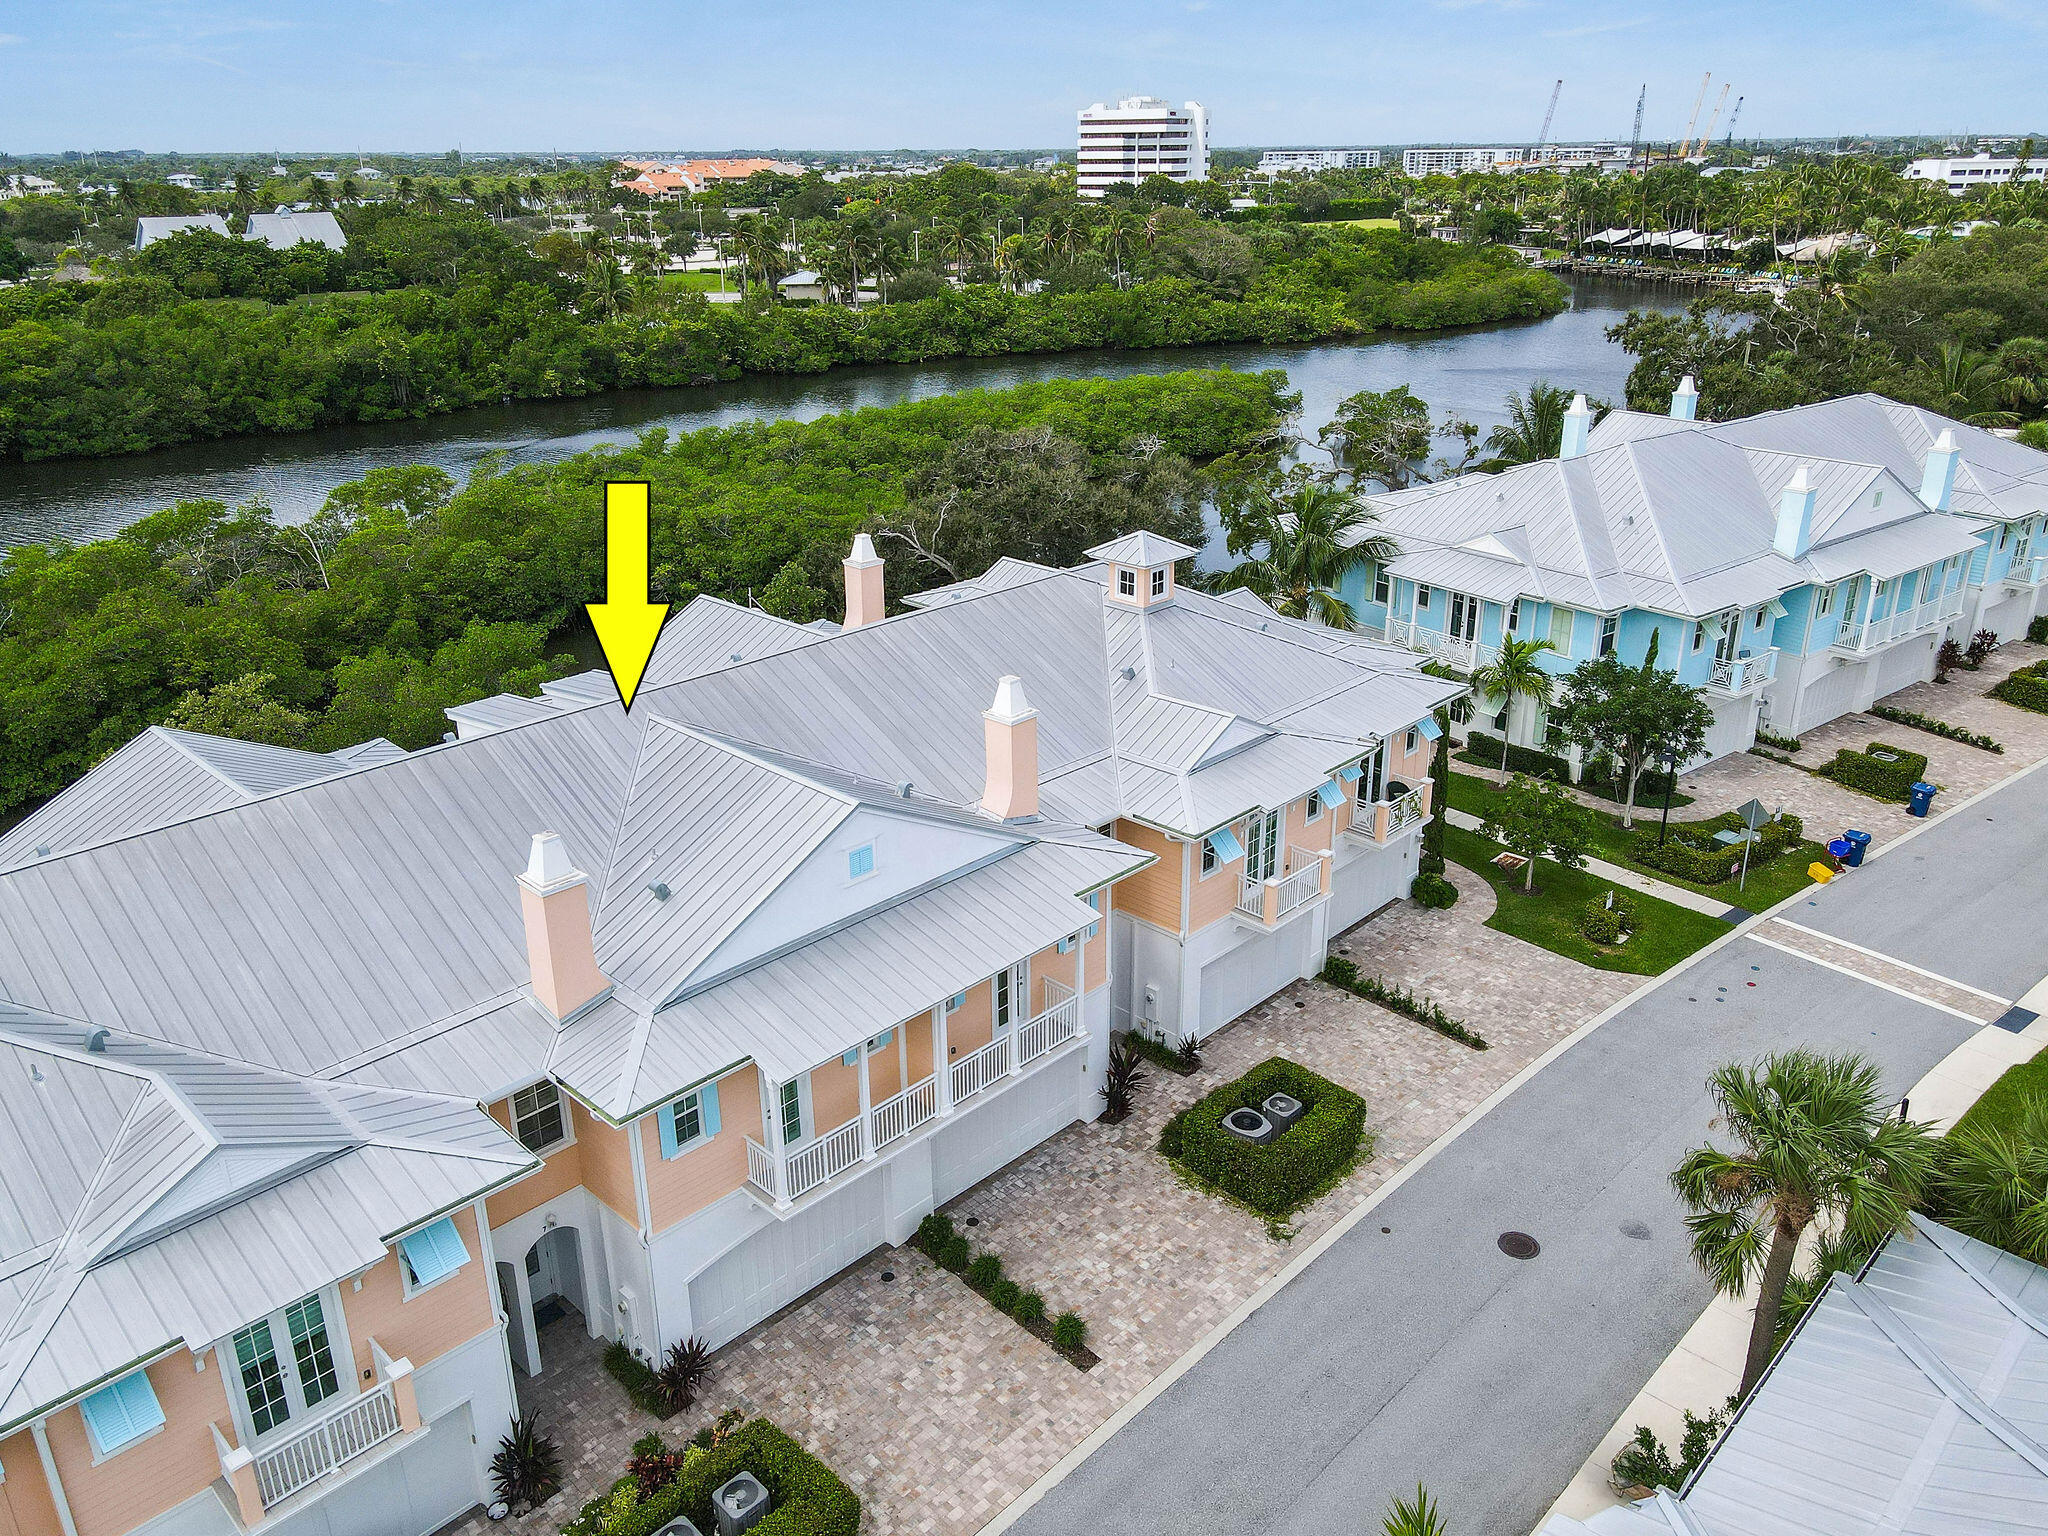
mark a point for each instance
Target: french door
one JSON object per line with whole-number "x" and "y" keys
{"x": 286, "y": 1365}
{"x": 1013, "y": 996}
{"x": 1464, "y": 617}
{"x": 1262, "y": 848}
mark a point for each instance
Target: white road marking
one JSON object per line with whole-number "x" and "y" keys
{"x": 1800, "y": 954}
{"x": 1875, "y": 954}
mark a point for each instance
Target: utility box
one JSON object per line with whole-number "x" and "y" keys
{"x": 739, "y": 1504}
{"x": 1283, "y": 1109}
{"x": 1249, "y": 1125}
{"x": 679, "y": 1526}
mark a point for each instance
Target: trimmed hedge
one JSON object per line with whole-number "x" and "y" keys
{"x": 1484, "y": 750}
{"x": 637, "y": 1377}
{"x": 1691, "y": 853}
{"x": 1872, "y": 776}
{"x": 1277, "y": 1178}
{"x": 2037, "y": 630}
{"x": 1343, "y": 974}
{"x": 1773, "y": 739}
{"x": 2028, "y": 687}
{"x": 1602, "y": 924}
{"x": 806, "y": 1498}
{"x": 1434, "y": 891}
{"x": 1934, "y": 727}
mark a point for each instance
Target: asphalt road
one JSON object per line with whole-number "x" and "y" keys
{"x": 1423, "y": 1354}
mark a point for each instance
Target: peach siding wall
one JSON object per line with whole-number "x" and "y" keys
{"x": 428, "y": 1325}
{"x": 1411, "y": 768}
{"x": 561, "y": 1171}
{"x": 1095, "y": 953}
{"x": 1153, "y": 893}
{"x": 835, "y": 1095}
{"x": 25, "y": 1507}
{"x": 150, "y": 1476}
{"x": 682, "y": 1185}
{"x": 971, "y": 1027}
{"x": 1214, "y": 895}
{"x": 605, "y": 1160}
{"x": 920, "y": 1033}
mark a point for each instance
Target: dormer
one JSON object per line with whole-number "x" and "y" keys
{"x": 1141, "y": 568}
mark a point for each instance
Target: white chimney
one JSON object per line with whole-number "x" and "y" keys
{"x": 1578, "y": 427}
{"x": 554, "y": 900}
{"x": 1795, "y": 516}
{"x": 1938, "y": 474}
{"x": 1010, "y": 737}
{"x": 1685, "y": 400}
{"x": 863, "y": 583}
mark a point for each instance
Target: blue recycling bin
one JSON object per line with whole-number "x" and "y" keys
{"x": 1859, "y": 844}
{"x": 1923, "y": 796}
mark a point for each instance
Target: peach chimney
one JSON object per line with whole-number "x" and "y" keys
{"x": 1010, "y": 732}
{"x": 863, "y": 583}
{"x": 554, "y": 898}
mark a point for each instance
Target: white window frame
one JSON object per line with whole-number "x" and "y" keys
{"x": 1382, "y": 584}
{"x": 805, "y": 1126}
{"x": 1410, "y": 742}
{"x": 1824, "y": 600}
{"x": 1699, "y": 635}
{"x": 1312, "y": 808}
{"x": 339, "y": 1346}
{"x": 1421, "y": 598}
{"x": 1208, "y": 861}
{"x": 1514, "y": 618}
{"x": 1609, "y": 641}
{"x": 565, "y": 1132}
{"x": 1159, "y": 582}
{"x": 695, "y": 1099}
{"x": 1126, "y": 583}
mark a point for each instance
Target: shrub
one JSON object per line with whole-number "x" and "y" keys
{"x": 2037, "y": 629}
{"x": 1604, "y": 924}
{"x": 955, "y": 1255}
{"x": 1644, "y": 1463}
{"x": 1278, "y": 1177}
{"x": 1339, "y": 972}
{"x": 1920, "y": 722}
{"x": 2028, "y": 688}
{"x": 682, "y": 1372}
{"x": 1773, "y": 739}
{"x": 1484, "y": 750}
{"x": 806, "y": 1497}
{"x": 1029, "y": 1307}
{"x": 1873, "y": 776}
{"x": 1156, "y": 1050}
{"x": 984, "y": 1272}
{"x": 1187, "y": 1054}
{"x": 1433, "y": 891}
{"x": 527, "y": 1468}
{"x": 637, "y": 1377}
{"x": 1947, "y": 657}
{"x": 1069, "y": 1332}
{"x": 934, "y": 1232}
{"x": 1003, "y": 1295}
{"x": 1690, "y": 852}
{"x": 1120, "y": 1082}
{"x": 1981, "y": 645}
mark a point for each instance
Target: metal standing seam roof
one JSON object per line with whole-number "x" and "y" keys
{"x": 1914, "y": 1399}
{"x": 287, "y": 227}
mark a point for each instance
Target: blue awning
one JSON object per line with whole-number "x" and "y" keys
{"x": 1331, "y": 794}
{"x": 1351, "y": 773}
{"x": 1227, "y": 847}
{"x": 1429, "y": 728}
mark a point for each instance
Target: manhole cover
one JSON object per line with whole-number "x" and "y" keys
{"x": 888, "y": 1275}
{"x": 1519, "y": 1245}
{"x": 974, "y": 1221}
{"x": 1639, "y": 1230}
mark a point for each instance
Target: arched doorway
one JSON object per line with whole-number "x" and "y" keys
{"x": 550, "y": 1286}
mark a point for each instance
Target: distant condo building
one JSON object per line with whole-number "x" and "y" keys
{"x": 1138, "y": 137}
{"x": 1456, "y": 162}
{"x": 1275, "y": 161}
{"x": 1975, "y": 171}
{"x": 1453, "y": 162}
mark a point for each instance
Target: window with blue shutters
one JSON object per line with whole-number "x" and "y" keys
{"x": 689, "y": 1120}
{"x": 861, "y": 861}
{"x": 122, "y": 1412}
{"x": 432, "y": 1254}
{"x": 1095, "y": 903}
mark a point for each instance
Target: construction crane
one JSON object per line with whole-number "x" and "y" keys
{"x": 1543, "y": 137}
{"x": 1708, "y": 137}
{"x": 1635, "y": 137}
{"x": 1730, "y": 139}
{"x": 1693, "y": 121}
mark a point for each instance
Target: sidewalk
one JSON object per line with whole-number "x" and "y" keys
{"x": 1677, "y": 895}
{"x": 1706, "y": 1367}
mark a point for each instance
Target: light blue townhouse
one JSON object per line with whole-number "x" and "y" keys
{"x": 1793, "y": 566}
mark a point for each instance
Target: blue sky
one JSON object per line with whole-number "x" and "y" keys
{"x": 671, "y": 74}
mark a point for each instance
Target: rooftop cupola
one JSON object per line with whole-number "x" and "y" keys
{"x": 1010, "y": 733}
{"x": 1141, "y": 568}
{"x": 1685, "y": 400}
{"x": 1795, "y": 516}
{"x": 1578, "y": 428}
{"x": 1938, "y": 473}
{"x": 554, "y": 900}
{"x": 863, "y": 584}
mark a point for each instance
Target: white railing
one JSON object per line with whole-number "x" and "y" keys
{"x": 1739, "y": 674}
{"x": 1898, "y": 625}
{"x": 1060, "y": 1022}
{"x": 973, "y": 1073}
{"x": 1404, "y": 811}
{"x": 764, "y": 1169}
{"x": 1303, "y": 886}
{"x": 1251, "y": 899}
{"x": 824, "y": 1159}
{"x": 2027, "y": 570}
{"x": 897, "y": 1117}
{"x": 1440, "y": 645}
{"x": 303, "y": 1459}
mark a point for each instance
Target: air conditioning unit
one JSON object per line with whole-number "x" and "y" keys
{"x": 739, "y": 1504}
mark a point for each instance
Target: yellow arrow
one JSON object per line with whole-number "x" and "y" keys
{"x": 627, "y": 624}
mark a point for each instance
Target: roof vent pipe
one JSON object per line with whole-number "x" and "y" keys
{"x": 1578, "y": 428}
{"x": 96, "y": 1042}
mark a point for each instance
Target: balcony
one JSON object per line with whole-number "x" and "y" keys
{"x": 1438, "y": 645}
{"x": 1875, "y": 634}
{"x": 1735, "y": 676}
{"x": 1384, "y": 820}
{"x": 2027, "y": 572}
{"x": 788, "y": 1176}
{"x": 1305, "y": 879}
{"x": 324, "y": 1449}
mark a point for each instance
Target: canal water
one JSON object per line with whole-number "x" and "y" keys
{"x": 1470, "y": 372}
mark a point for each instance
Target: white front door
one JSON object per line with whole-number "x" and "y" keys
{"x": 1012, "y": 996}
{"x": 1262, "y": 849}
{"x": 285, "y": 1365}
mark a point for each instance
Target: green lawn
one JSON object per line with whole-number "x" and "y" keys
{"x": 698, "y": 282}
{"x": 1664, "y": 934}
{"x": 1361, "y": 223}
{"x": 2006, "y": 1100}
{"x": 1768, "y": 884}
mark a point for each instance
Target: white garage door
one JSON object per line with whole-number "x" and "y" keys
{"x": 419, "y": 1490}
{"x": 1904, "y": 665}
{"x": 2008, "y": 620}
{"x": 1360, "y": 888}
{"x": 1255, "y": 970}
{"x": 1010, "y": 1124}
{"x": 786, "y": 1258}
{"x": 1832, "y": 693}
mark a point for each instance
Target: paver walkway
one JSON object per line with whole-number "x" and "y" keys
{"x": 1677, "y": 895}
{"x": 939, "y": 1410}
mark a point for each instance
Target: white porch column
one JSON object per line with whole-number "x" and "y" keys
{"x": 942, "y": 1064}
{"x": 771, "y": 1137}
{"x": 56, "y": 1483}
{"x": 867, "y": 1118}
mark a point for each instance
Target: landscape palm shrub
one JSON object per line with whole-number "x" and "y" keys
{"x": 1069, "y": 1332}
{"x": 526, "y": 1469}
{"x": 682, "y": 1373}
{"x": 1029, "y": 1307}
{"x": 1992, "y": 1183}
{"x": 1120, "y": 1081}
{"x": 1414, "y": 1517}
{"x": 984, "y": 1272}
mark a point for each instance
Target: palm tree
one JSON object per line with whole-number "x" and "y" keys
{"x": 1118, "y": 237}
{"x": 1815, "y": 1139}
{"x": 1993, "y": 1183}
{"x": 1417, "y": 1518}
{"x": 1313, "y": 535}
{"x": 760, "y": 246}
{"x": 1514, "y": 674}
{"x": 605, "y": 290}
{"x": 1535, "y": 426}
{"x": 2022, "y": 365}
{"x": 1965, "y": 384}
